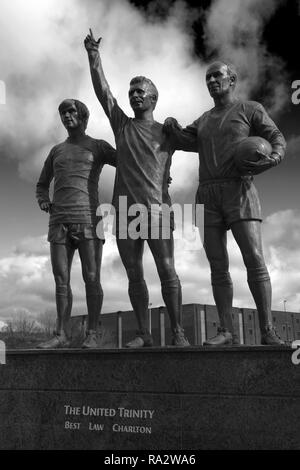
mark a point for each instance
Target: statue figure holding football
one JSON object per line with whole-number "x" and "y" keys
{"x": 235, "y": 140}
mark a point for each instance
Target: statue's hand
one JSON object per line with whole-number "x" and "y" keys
{"x": 265, "y": 162}
{"x": 46, "y": 206}
{"x": 171, "y": 125}
{"x": 91, "y": 44}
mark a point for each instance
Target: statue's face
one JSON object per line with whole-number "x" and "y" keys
{"x": 141, "y": 97}
{"x": 69, "y": 116}
{"x": 218, "y": 80}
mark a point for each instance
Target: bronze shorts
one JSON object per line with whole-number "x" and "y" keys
{"x": 72, "y": 234}
{"x": 229, "y": 201}
{"x": 154, "y": 226}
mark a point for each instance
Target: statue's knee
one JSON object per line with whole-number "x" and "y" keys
{"x": 135, "y": 273}
{"x": 221, "y": 278}
{"x": 253, "y": 258}
{"x": 62, "y": 290}
{"x": 61, "y": 279}
{"x": 258, "y": 274}
{"x": 91, "y": 277}
{"x": 166, "y": 269}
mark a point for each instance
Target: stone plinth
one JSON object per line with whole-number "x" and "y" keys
{"x": 151, "y": 399}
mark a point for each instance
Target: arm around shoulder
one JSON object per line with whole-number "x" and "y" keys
{"x": 181, "y": 139}
{"x": 109, "y": 153}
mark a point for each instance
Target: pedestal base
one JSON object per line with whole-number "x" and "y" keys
{"x": 150, "y": 399}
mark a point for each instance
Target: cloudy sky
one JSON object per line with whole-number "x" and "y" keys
{"x": 43, "y": 61}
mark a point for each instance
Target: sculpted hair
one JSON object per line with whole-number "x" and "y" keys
{"x": 142, "y": 79}
{"x": 82, "y": 109}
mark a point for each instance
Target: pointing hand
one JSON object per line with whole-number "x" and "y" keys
{"x": 91, "y": 44}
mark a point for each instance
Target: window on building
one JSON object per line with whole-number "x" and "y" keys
{"x": 250, "y": 331}
{"x": 297, "y": 321}
{"x": 283, "y": 327}
{"x": 274, "y": 319}
{"x": 214, "y": 324}
{"x": 250, "y": 317}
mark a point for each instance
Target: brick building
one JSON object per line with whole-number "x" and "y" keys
{"x": 199, "y": 321}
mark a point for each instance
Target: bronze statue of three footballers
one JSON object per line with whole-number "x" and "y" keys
{"x": 142, "y": 158}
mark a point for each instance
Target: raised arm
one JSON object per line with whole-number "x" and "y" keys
{"x": 100, "y": 83}
{"x": 101, "y": 87}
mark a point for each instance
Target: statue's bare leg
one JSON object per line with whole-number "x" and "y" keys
{"x": 131, "y": 253}
{"x": 215, "y": 244}
{"x": 61, "y": 260}
{"x": 248, "y": 236}
{"x": 90, "y": 252}
{"x": 163, "y": 253}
